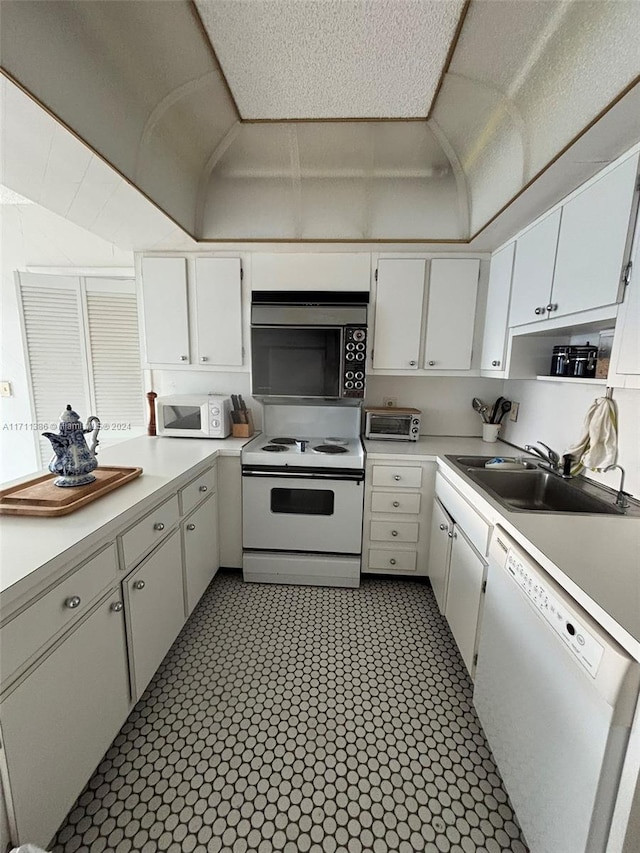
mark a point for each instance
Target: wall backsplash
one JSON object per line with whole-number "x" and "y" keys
{"x": 554, "y": 413}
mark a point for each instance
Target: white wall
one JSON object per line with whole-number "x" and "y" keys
{"x": 32, "y": 236}
{"x": 554, "y": 413}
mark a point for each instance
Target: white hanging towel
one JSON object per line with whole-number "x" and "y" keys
{"x": 598, "y": 446}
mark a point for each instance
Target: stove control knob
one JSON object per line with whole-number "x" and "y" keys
{"x": 358, "y": 335}
{"x": 360, "y": 347}
{"x": 349, "y": 374}
{"x": 351, "y": 346}
{"x": 360, "y": 356}
{"x": 350, "y": 356}
{"x": 348, "y": 384}
{"x": 359, "y": 385}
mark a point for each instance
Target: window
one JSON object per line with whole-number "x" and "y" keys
{"x": 82, "y": 347}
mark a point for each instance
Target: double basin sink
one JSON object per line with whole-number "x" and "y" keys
{"x": 530, "y": 488}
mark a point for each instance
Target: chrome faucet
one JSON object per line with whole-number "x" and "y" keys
{"x": 550, "y": 458}
{"x": 621, "y": 498}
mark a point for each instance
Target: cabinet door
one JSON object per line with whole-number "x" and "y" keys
{"x": 399, "y": 299}
{"x": 497, "y": 313}
{"x": 230, "y": 511}
{"x": 439, "y": 553}
{"x": 466, "y": 574}
{"x": 60, "y": 720}
{"x": 164, "y": 305}
{"x": 533, "y": 271}
{"x": 592, "y": 242}
{"x": 218, "y": 289}
{"x": 200, "y": 537}
{"x": 451, "y": 313}
{"x": 155, "y": 604}
{"x": 625, "y": 355}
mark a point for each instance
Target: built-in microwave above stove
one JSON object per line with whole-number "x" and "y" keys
{"x": 308, "y": 343}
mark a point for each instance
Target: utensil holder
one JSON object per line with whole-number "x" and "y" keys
{"x": 243, "y": 430}
{"x": 490, "y": 432}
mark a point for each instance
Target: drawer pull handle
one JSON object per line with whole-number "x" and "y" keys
{"x": 191, "y": 527}
{"x": 204, "y": 358}
{"x": 451, "y": 534}
{"x": 412, "y": 363}
{"x": 183, "y": 358}
{"x": 158, "y": 526}
{"x": 204, "y": 488}
{"x": 495, "y": 364}
{"x": 116, "y": 606}
{"x": 139, "y": 584}
{"x": 394, "y": 532}
{"x": 392, "y": 561}
{"x": 396, "y": 503}
{"x": 443, "y": 527}
{"x": 431, "y": 363}
{"x": 72, "y": 602}
{"x": 397, "y": 477}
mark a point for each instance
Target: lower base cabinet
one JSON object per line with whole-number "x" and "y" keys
{"x": 440, "y": 553}
{"x": 467, "y": 572}
{"x": 59, "y": 721}
{"x": 201, "y": 558}
{"x": 154, "y": 602}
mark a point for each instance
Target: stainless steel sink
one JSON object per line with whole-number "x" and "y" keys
{"x": 480, "y": 461}
{"x": 532, "y": 489}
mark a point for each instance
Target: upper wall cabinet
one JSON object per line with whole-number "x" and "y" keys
{"x": 496, "y": 316}
{"x": 311, "y": 271}
{"x": 572, "y": 260}
{"x": 192, "y": 311}
{"x": 401, "y": 330}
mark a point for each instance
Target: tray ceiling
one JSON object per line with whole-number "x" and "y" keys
{"x": 302, "y": 59}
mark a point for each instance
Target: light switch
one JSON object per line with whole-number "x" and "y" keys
{"x": 5, "y": 389}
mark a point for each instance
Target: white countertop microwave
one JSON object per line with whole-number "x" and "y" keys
{"x": 193, "y": 416}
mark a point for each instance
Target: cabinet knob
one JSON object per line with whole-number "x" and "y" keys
{"x": 204, "y": 358}
{"x": 394, "y": 532}
{"x": 539, "y": 311}
{"x": 495, "y": 364}
{"x": 158, "y": 526}
{"x": 183, "y": 358}
{"x": 552, "y": 306}
{"x": 139, "y": 584}
{"x": 443, "y": 527}
{"x": 191, "y": 527}
{"x": 116, "y": 606}
{"x": 412, "y": 363}
{"x": 392, "y": 561}
{"x": 431, "y": 363}
{"x": 72, "y": 602}
{"x": 451, "y": 534}
{"x": 396, "y": 477}
{"x": 204, "y": 488}
{"x": 396, "y": 503}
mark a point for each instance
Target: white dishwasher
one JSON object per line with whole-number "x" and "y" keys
{"x": 556, "y": 696}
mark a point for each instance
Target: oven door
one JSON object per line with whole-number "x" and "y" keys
{"x": 294, "y": 361}
{"x": 302, "y": 512}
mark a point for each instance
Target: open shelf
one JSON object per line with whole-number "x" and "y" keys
{"x": 574, "y": 379}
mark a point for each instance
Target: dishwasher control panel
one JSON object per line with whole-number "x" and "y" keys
{"x": 562, "y": 618}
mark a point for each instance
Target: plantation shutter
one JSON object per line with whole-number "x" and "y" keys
{"x": 82, "y": 347}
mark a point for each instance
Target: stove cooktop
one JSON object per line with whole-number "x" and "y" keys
{"x": 304, "y": 452}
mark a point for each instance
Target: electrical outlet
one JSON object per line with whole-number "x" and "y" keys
{"x": 513, "y": 414}
{"x": 389, "y": 402}
{"x": 5, "y": 389}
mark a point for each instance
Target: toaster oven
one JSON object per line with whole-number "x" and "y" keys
{"x": 392, "y": 424}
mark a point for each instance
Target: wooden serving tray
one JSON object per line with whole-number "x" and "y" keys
{"x": 40, "y": 497}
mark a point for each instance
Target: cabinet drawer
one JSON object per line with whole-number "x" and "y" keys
{"x": 392, "y": 561}
{"x": 390, "y": 502}
{"x": 400, "y": 476}
{"x": 389, "y": 531}
{"x": 150, "y": 530}
{"x": 60, "y": 607}
{"x": 198, "y": 490}
{"x": 475, "y": 527}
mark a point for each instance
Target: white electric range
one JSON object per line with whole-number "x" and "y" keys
{"x": 302, "y": 495}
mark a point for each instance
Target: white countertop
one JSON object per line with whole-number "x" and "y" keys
{"x": 28, "y": 543}
{"x": 596, "y": 558}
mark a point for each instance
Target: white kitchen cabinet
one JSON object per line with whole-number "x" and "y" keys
{"x": 467, "y": 571}
{"x": 164, "y": 306}
{"x": 398, "y": 315}
{"x": 59, "y": 721}
{"x": 440, "y": 553}
{"x": 311, "y": 271}
{"x": 451, "y": 313}
{"x": 397, "y": 516}
{"x": 200, "y": 543}
{"x": 625, "y": 354}
{"x": 230, "y": 511}
{"x": 593, "y": 240}
{"x": 154, "y": 601}
{"x": 496, "y": 316}
{"x": 535, "y": 257}
{"x": 192, "y": 311}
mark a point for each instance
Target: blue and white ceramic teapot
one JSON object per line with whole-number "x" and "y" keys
{"x": 73, "y": 460}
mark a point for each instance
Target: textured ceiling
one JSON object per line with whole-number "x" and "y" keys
{"x": 301, "y": 59}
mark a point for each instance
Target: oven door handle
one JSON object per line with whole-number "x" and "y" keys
{"x": 355, "y": 476}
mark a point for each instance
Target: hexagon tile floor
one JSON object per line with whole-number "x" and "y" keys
{"x": 301, "y": 719}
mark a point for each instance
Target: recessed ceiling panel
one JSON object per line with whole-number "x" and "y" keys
{"x": 332, "y": 58}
